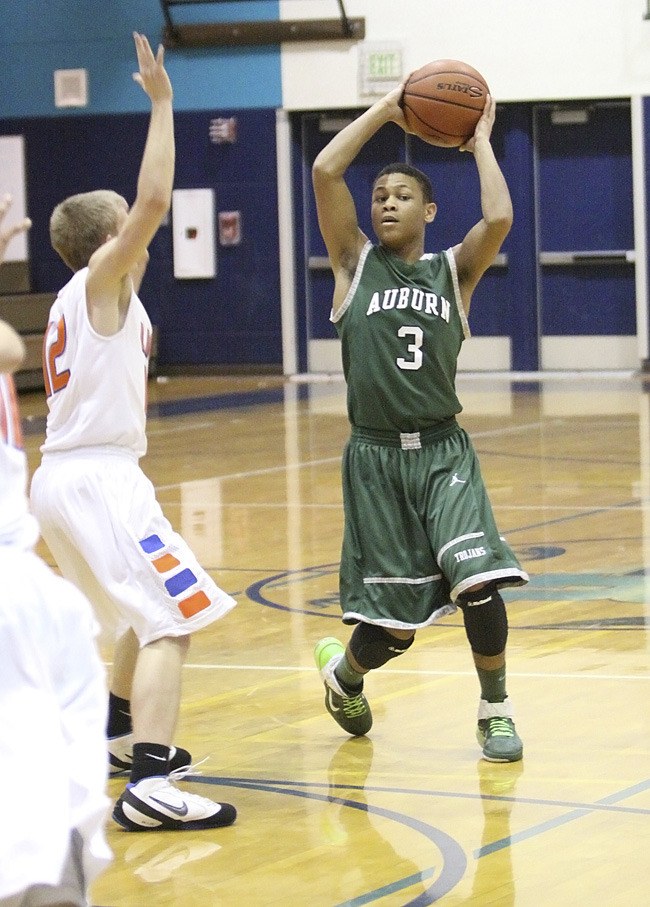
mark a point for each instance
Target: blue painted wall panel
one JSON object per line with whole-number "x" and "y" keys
{"x": 591, "y": 301}
{"x": 40, "y": 36}
{"x": 517, "y": 163}
{"x": 586, "y": 180}
{"x": 300, "y": 178}
{"x": 233, "y": 318}
{"x": 585, "y": 204}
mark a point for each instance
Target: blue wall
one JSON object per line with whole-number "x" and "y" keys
{"x": 40, "y": 36}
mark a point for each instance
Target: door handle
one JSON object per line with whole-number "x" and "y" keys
{"x": 595, "y": 257}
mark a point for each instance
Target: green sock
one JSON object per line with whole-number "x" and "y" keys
{"x": 347, "y": 675}
{"x": 493, "y": 684}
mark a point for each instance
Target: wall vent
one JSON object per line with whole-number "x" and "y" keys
{"x": 71, "y": 87}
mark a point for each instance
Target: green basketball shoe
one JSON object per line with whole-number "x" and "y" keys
{"x": 496, "y": 732}
{"x": 349, "y": 708}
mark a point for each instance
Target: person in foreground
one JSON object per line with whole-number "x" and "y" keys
{"x": 52, "y": 690}
{"x": 97, "y": 509}
{"x": 420, "y": 538}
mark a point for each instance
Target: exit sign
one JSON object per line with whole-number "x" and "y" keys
{"x": 380, "y": 68}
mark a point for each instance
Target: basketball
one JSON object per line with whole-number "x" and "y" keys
{"x": 443, "y": 101}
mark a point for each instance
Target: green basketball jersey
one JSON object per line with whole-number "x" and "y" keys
{"x": 401, "y": 327}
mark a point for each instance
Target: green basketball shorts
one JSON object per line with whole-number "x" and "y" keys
{"x": 419, "y": 527}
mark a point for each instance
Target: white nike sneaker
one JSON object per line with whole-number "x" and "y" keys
{"x": 120, "y": 756}
{"x": 155, "y": 804}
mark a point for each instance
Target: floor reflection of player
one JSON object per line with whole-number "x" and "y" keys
{"x": 346, "y": 822}
{"x": 494, "y": 871}
{"x": 159, "y": 861}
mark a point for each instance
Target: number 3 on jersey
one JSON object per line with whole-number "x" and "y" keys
{"x": 414, "y": 348}
{"x": 53, "y": 346}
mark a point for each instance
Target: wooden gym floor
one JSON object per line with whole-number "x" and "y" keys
{"x": 248, "y": 470}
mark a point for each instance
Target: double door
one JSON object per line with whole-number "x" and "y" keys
{"x": 561, "y": 294}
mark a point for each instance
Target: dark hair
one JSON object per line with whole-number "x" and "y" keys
{"x": 420, "y": 178}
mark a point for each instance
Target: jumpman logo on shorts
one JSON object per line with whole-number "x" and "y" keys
{"x": 456, "y": 481}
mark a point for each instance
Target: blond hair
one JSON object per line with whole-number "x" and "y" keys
{"x": 80, "y": 224}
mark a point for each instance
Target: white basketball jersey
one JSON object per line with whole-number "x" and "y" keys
{"x": 17, "y": 526}
{"x": 96, "y": 386}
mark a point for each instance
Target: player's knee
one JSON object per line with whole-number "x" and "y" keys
{"x": 486, "y": 621}
{"x": 372, "y": 646}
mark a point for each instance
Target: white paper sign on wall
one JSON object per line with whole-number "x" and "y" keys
{"x": 193, "y": 234}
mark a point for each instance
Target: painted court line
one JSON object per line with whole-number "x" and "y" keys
{"x": 423, "y": 673}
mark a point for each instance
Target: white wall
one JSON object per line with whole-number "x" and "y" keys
{"x": 527, "y": 50}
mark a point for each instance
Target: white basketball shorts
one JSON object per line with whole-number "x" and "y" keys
{"x": 104, "y": 527}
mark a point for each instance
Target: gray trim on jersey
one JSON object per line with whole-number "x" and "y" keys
{"x": 507, "y": 576}
{"x": 338, "y": 314}
{"x": 412, "y": 581}
{"x": 459, "y": 301}
{"x": 342, "y": 309}
{"x": 350, "y": 617}
{"x": 461, "y": 538}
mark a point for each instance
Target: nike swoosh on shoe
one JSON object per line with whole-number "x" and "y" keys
{"x": 330, "y": 699}
{"x": 178, "y": 810}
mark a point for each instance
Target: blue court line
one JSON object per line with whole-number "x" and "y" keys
{"x": 406, "y": 882}
{"x": 564, "y": 820}
{"x": 575, "y": 516}
{"x": 602, "y": 805}
{"x": 454, "y": 859}
{"x": 483, "y": 452}
{"x": 189, "y": 405}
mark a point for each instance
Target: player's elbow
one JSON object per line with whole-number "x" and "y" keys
{"x": 152, "y": 208}
{"x": 323, "y": 170}
{"x": 500, "y": 223}
{"x": 159, "y": 204}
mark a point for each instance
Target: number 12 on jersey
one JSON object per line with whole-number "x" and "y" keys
{"x": 53, "y": 346}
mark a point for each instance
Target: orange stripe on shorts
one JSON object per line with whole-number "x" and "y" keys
{"x": 195, "y": 603}
{"x": 165, "y": 563}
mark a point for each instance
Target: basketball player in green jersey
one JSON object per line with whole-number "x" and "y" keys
{"x": 420, "y": 538}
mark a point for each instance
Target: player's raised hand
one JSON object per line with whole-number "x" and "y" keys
{"x": 484, "y": 126}
{"x": 8, "y": 233}
{"x": 393, "y": 101}
{"x": 152, "y": 76}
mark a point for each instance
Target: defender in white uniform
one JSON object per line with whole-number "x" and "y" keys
{"x": 97, "y": 509}
{"x": 52, "y": 692}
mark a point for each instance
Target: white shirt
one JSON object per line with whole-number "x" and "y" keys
{"x": 96, "y": 385}
{"x": 53, "y": 703}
